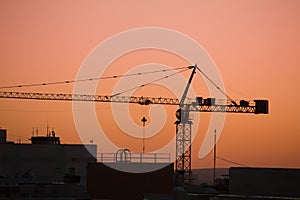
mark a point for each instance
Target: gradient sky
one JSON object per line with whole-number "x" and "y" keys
{"x": 255, "y": 45}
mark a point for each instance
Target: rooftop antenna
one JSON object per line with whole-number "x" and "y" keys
{"x": 37, "y": 131}
{"x": 32, "y": 132}
{"x": 215, "y": 156}
{"x": 47, "y": 131}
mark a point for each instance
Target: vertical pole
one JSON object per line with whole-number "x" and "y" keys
{"x": 143, "y": 137}
{"x": 144, "y": 121}
{"x": 215, "y": 157}
{"x": 47, "y": 133}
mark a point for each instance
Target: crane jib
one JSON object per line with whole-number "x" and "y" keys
{"x": 200, "y": 104}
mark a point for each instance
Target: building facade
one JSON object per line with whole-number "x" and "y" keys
{"x": 43, "y": 169}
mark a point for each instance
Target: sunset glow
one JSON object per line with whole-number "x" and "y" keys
{"x": 255, "y": 45}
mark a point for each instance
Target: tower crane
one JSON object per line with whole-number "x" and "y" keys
{"x": 183, "y": 123}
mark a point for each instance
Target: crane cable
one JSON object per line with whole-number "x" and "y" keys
{"x": 232, "y": 162}
{"x": 156, "y": 80}
{"x": 210, "y": 80}
{"x": 88, "y": 79}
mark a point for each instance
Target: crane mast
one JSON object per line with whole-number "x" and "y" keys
{"x": 184, "y": 135}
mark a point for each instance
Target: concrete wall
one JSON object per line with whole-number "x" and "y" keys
{"x": 104, "y": 182}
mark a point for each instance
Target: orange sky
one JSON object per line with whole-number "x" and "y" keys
{"x": 255, "y": 45}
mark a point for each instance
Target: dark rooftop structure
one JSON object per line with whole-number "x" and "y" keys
{"x": 44, "y": 169}
{"x": 274, "y": 182}
{"x": 105, "y": 181}
{"x": 48, "y": 139}
{"x": 2, "y": 136}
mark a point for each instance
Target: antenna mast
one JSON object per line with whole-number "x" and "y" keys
{"x": 215, "y": 156}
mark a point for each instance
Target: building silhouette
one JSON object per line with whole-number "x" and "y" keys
{"x": 44, "y": 168}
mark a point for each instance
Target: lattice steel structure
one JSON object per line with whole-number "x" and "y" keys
{"x": 89, "y": 97}
{"x": 183, "y": 149}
